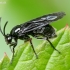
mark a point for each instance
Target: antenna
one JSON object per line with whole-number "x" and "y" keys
{"x": 0, "y": 27}
{"x": 5, "y": 27}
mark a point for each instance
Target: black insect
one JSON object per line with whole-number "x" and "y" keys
{"x": 39, "y": 28}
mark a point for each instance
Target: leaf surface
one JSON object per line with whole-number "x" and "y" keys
{"x": 48, "y": 58}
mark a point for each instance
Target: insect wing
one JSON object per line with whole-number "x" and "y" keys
{"x": 32, "y": 27}
{"x": 40, "y": 22}
{"x": 48, "y": 18}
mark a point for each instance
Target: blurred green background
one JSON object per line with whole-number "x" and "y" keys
{"x": 20, "y": 11}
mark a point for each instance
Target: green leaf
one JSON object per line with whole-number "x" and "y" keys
{"x": 4, "y": 63}
{"x": 48, "y": 58}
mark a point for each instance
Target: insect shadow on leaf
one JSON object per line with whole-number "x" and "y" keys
{"x": 39, "y": 28}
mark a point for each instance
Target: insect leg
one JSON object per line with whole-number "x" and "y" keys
{"x": 52, "y": 45}
{"x": 27, "y": 38}
{"x": 13, "y": 49}
{"x": 10, "y": 48}
{"x": 33, "y": 48}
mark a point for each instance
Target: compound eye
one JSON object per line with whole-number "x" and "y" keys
{"x": 9, "y": 38}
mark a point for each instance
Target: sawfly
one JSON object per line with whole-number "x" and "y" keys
{"x": 39, "y": 28}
